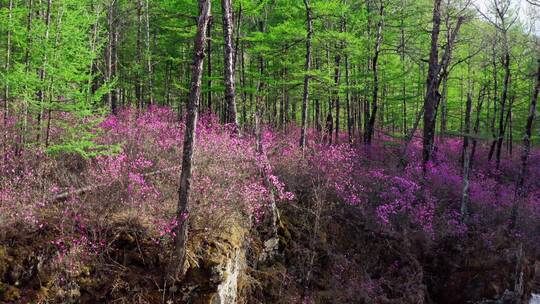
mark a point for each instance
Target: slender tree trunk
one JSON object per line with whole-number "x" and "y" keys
{"x": 348, "y": 100}
{"x": 444, "y": 96}
{"x": 336, "y": 94}
{"x": 149, "y": 70}
{"x": 7, "y": 68}
{"x": 500, "y": 138}
{"x": 96, "y": 9}
{"x": 370, "y": 130}
{"x": 466, "y": 157}
{"x": 183, "y": 208}
{"x": 318, "y": 112}
{"x": 168, "y": 79}
{"x": 444, "y": 110}
{"x": 238, "y": 29}
{"x": 139, "y": 95}
{"x": 209, "y": 65}
{"x": 403, "y": 71}
{"x": 477, "y": 125}
{"x": 305, "y": 96}
{"x": 281, "y": 119}
{"x": 230, "y": 92}
{"x": 110, "y": 72}
{"x": 41, "y": 93}
{"x": 27, "y": 68}
{"x": 520, "y": 189}
{"x": 8, "y": 62}
{"x": 243, "y": 84}
{"x": 115, "y": 64}
{"x": 58, "y": 31}
{"x": 495, "y": 101}
{"x": 510, "y": 139}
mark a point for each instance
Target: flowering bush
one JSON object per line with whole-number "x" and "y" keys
{"x": 395, "y": 198}
{"x": 79, "y": 197}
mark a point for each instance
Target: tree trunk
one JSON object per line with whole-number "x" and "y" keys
{"x": 7, "y": 67}
{"x": 230, "y": 92}
{"x": 436, "y": 71}
{"x": 243, "y": 84}
{"x": 466, "y": 157}
{"x": 444, "y": 109}
{"x": 138, "y": 82}
{"x": 348, "y": 100}
{"x": 58, "y": 31}
{"x": 305, "y": 96}
{"x": 209, "y": 65}
{"x": 183, "y": 208}
{"x": 495, "y": 100}
{"x": 477, "y": 125}
{"x": 27, "y": 68}
{"x": 8, "y": 61}
{"x": 370, "y": 130}
{"x": 520, "y": 190}
{"x": 111, "y": 54}
{"x": 149, "y": 82}
{"x": 430, "y": 99}
{"x": 504, "y": 96}
{"x": 41, "y": 93}
{"x": 336, "y": 93}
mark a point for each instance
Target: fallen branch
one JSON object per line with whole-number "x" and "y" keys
{"x": 69, "y": 193}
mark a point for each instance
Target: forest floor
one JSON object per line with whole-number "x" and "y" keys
{"x": 353, "y": 226}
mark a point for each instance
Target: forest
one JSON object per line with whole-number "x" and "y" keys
{"x": 269, "y": 151}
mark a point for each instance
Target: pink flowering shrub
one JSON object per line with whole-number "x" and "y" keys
{"x": 78, "y": 199}
{"x": 336, "y": 166}
{"x": 77, "y": 202}
{"x": 390, "y": 197}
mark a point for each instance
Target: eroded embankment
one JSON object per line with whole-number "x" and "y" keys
{"x": 347, "y": 262}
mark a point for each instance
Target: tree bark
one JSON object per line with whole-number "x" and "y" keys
{"x": 8, "y": 62}
{"x": 7, "y": 68}
{"x": 520, "y": 190}
{"x": 504, "y": 96}
{"x": 477, "y": 125}
{"x": 370, "y": 130}
{"x": 111, "y": 53}
{"x": 436, "y": 71}
{"x": 305, "y": 96}
{"x": 431, "y": 97}
{"x": 230, "y": 92}
{"x": 149, "y": 70}
{"x": 41, "y": 93}
{"x": 495, "y": 100}
{"x": 336, "y": 94}
{"x": 466, "y": 157}
{"x": 29, "y": 19}
{"x": 243, "y": 84}
{"x": 138, "y": 82}
{"x": 209, "y": 65}
{"x": 183, "y": 208}
{"x": 348, "y": 100}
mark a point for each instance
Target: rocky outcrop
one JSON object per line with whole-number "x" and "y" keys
{"x": 216, "y": 270}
